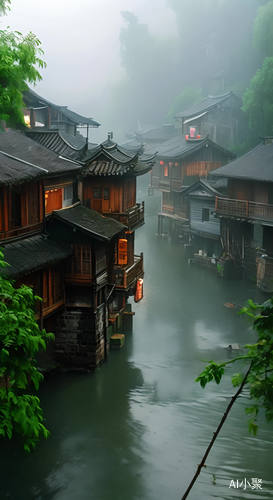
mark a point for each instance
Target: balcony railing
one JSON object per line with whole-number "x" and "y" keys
{"x": 243, "y": 209}
{"x": 18, "y": 231}
{"x": 132, "y": 218}
{"x": 168, "y": 184}
{"x": 125, "y": 277}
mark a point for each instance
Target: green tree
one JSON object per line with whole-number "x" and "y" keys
{"x": 20, "y": 59}
{"x": 258, "y": 377}
{"x": 263, "y": 30}
{"x": 20, "y": 340}
{"x": 258, "y": 99}
{"x": 4, "y": 6}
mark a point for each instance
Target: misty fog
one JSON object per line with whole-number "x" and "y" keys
{"x": 125, "y": 62}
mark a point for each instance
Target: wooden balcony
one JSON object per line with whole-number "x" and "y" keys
{"x": 167, "y": 184}
{"x": 243, "y": 209}
{"x": 125, "y": 277}
{"x": 20, "y": 231}
{"x": 132, "y": 218}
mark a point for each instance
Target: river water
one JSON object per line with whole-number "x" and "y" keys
{"x": 138, "y": 426}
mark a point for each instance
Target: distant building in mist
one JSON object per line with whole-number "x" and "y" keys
{"x": 39, "y": 112}
{"x": 219, "y": 117}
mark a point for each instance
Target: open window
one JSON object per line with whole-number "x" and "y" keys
{"x": 58, "y": 196}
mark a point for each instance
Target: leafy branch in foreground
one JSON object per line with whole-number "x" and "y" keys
{"x": 4, "y": 6}
{"x": 20, "y": 56}
{"x": 20, "y": 340}
{"x": 258, "y": 378}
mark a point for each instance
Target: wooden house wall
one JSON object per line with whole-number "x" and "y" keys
{"x": 49, "y": 285}
{"x": 167, "y": 202}
{"x": 108, "y": 194}
{"x": 189, "y": 170}
{"x": 59, "y": 193}
{"x": 21, "y": 209}
{"x": 211, "y": 226}
{"x": 259, "y": 192}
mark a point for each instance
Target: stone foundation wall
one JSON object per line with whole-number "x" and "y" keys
{"x": 79, "y": 337}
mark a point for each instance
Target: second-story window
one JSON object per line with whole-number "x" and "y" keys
{"x": 58, "y": 196}
{"x": 106, "y": 194}
{"x": 205, "y": 214}
{"x": 97, "y": 193}
{"x": 68, "y": 195}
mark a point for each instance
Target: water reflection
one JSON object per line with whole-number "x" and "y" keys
{"x": 137, "y": 428}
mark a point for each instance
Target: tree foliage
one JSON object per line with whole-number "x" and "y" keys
{"x": 20, "y": 56}
{"x": 260, "y": 356}
{"x": 258, "y": 99}
{"x": 4, "y": 6}
{"x": 258, "y": 377}
{"x": 263, "y": 30}
{"x": 20, "y": 340}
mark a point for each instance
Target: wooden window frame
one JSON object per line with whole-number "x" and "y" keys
{"x": 205, "y": 214}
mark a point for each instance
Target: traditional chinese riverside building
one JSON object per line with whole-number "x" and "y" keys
{"x": 204, "y": 242}
{"x": 182, "y": 161}
{"x": 41, "y": 113}
{"x": 246, "y": 214}
{"x": 57, "y": 238}
{"x": 220, "y": 117}
{"x": 107, "y": 185}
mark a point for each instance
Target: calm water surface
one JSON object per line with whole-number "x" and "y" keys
{"x": 137, "y": 428}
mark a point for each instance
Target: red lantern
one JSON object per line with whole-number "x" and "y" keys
{"x": 139, "y": 290}
{"x": 187, "y": 137}
{"x": 176, "y": 164}
{"x": 161, "y": 162}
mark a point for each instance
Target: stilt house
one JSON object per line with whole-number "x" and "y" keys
{"x": 220, "y": 117}
{"x": 182, "y": 161}
{"x": 247, "y": 213}
{"x": 80, "y": 262}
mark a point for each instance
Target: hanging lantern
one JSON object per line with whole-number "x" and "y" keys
{"x": 122, "y": 252}
{"x": 176, "y": 164}
{"x": 161, "y": 162}
{"x": 192, "y": 132}
{"x": 139, "y": 290}
{"x": 170, "y": 163}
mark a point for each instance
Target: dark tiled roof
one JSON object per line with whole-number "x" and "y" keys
{"x": 32, "y": 99}
{"x": 107, "y": 158}
{"x": 22, "y": 159}
{"x": 157, "y": 134}
{"x": 201, "y": 188}
{"x": 90, "y": 222}
{"x": 72, "y": 147}
{"x": 178, "y": 147}
{"x": 111, "y": 159}
{"x": 207, "y": 104}
{"x": 133, "y": 145}
{"x": 255, "y": 165}
{"x": 31, "y": 254}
